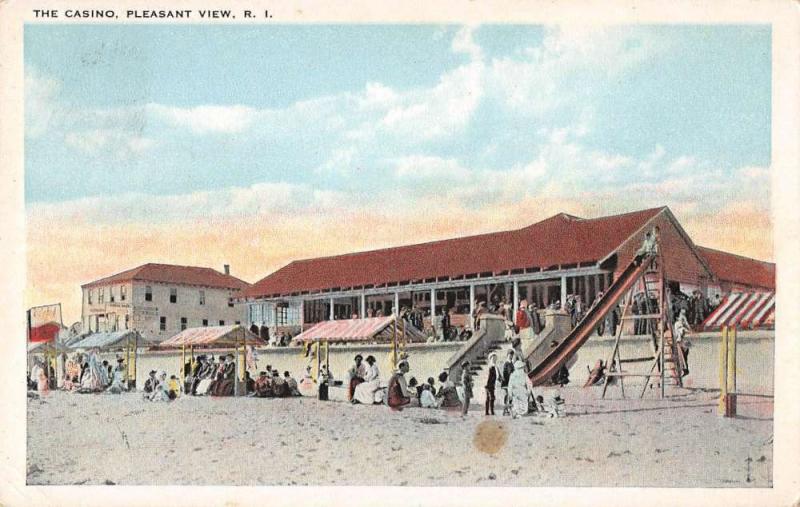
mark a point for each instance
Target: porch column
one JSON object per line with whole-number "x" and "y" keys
{"x": 563, "y": 291}
{"x": 302, "y": 314}
{"x": 330, "y": 317}
{"x": 471, "y": 305}
{"x": 516, "y": 297}
{"x": 396, "y": 309}
{"x": 363, "y": 306}
{"x": 433, "y": 303}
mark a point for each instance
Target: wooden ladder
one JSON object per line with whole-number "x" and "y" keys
{"x": 662, "y": 362}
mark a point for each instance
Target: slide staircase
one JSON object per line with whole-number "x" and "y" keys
{"x": 489, "y": 338}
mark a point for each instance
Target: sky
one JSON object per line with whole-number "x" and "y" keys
{"x": 254, "y": 146}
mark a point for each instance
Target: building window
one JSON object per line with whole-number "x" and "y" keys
{"x": 230, "y": 303}
{"x": 162, "y": 325}
{"x": 111, "y": 294}
{"x": 202, "y": 297}
{"x": 173, "y": 295}
{"x": 222, "y": 323}
{"x": 123, "y": 293}
{"x": 238, "y": 322}
{"x": 89, "y": 296}
{"x": 100, "y": 295}
{"x": 183, "y": 323}
{"x": 148, "y": 293}
{"x": 127, "y": 321}
{"x": 205, "y": 322}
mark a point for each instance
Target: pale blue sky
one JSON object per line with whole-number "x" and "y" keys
{"x": 171, "y": 110}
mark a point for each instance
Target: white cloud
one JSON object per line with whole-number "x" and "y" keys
{"x": 116, "y": 143}
{"x": 40, "y": 95}
{"x": 207, "y": 118}
{"x": 422, "y": 167}
{"x": 464, "y": 43}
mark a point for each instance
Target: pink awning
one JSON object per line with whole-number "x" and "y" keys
{"x": 745, "y": 310}
{"x": 219, "y": 336}
{"x": 377, "y": 329}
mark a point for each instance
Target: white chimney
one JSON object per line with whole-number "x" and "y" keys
{"x": 227, "y": 269}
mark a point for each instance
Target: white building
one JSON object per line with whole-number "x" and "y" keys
{"x": 160, "y": 300}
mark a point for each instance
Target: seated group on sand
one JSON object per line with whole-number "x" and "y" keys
{"x": 85, "y": 373}
{"x": 364, "y": 387}
{"x": 270, "y": 384}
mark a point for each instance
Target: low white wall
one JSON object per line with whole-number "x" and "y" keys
{"x": 755, "y": 361}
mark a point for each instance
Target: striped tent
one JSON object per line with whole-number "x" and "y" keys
{"x": 116, "y": 340}
{"x": 374, "y": 329}
{"x": 745, "y": 310}
{"x": 214, "y": 336}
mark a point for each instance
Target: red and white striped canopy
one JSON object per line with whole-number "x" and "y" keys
{"x": 378, "y": 329}
{"x": 219, "y": 336}
{"x": 745, "y": 310}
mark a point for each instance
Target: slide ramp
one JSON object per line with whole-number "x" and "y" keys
{"x": 548, "y": 356}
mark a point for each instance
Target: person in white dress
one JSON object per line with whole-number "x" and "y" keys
{"x": 365, "y": 391}
{"x": 518, "y": 390}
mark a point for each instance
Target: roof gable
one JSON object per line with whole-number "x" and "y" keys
{"x": 559, "y": 240}
{"x": 734, "y": 268}
{"x": 174, "y": 274}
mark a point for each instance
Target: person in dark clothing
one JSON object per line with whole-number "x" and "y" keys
{"x": 508, "y": 369}
{"x": 446, "y": 323}
{"x": 151, "y": 382}
{"x": 491, "y": 382}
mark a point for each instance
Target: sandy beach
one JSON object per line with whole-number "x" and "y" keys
{"x": 679, "y": 441}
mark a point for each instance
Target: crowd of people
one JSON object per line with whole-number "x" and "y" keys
{"x": 509, "y": 379}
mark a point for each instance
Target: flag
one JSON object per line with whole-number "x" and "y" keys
{"x": 44, "y": 323}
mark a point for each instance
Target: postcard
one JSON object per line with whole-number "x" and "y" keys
{"x": 448, "y": 255}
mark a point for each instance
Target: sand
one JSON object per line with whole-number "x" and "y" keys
{"x": 680, "y": 441}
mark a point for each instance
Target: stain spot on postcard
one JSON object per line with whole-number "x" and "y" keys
{"x": 490, "y": 437}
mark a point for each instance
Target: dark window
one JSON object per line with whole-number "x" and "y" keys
{"x": 230, "y": 303}
{"x": 148, "y": 293}
{"x": 238, "y": 322}
{"x": 222, "y": 323}
{"x": 127, "y": 321}
{"x": 183, "y": 323}
{"x": 173, "y": 295}
{"x": 111, "y": 294}
{"x": 202, "y": 297}
{"x": 163, "y": 324}
{"x": 123, "y": 293}
{"x": 205, "y": 322}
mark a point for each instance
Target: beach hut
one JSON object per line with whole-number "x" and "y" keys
{"x": 128, "y": 341}
{"x": 370, "y": 330}
{"x": 49, "y": 351}
{"x": 217, "y": 337}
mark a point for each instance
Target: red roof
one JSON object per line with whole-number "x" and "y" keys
{"x": 559, "y": 240}
{"x": 733, "y": 268}
{"x": 178, "y": 275}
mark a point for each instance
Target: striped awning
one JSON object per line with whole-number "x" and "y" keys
{"x": 745, "y": 310}
{"x": 374, "y": 329}
{"x": 219, "y": 336}
{"x": 112, "y": 340}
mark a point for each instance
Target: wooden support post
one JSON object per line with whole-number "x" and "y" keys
{"x": 563, "y": 292}
{"x": 471, "y": 306}
{"x": 135, "y": 356}
{"x": 723, "y": 371}
{"x": 730, "y": 404}
{"x": 319, "y": 360}
{"x": 183, "y": 364}
{"x": 515, "y": 304}
{"x": 363, "y": 309}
